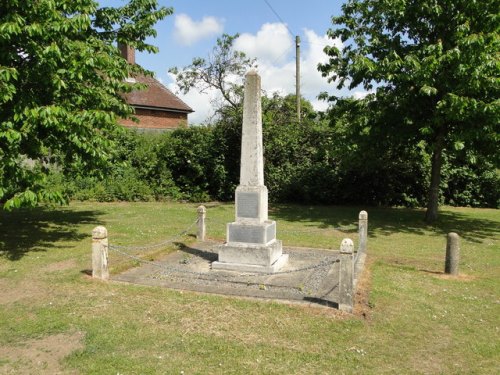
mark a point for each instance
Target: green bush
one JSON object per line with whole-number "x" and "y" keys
{"x": 341, "y": 162}
{"x": 195, "y": 169}
{"x": 471, "y": 181}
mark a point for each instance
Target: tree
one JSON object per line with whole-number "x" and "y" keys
{"x": 283, "y": 109}
{"x": 61, "y": 80}
{"x": 434, "y": 66}
{"x": 222, "y": 71}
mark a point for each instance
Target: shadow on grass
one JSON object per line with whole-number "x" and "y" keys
{"x": 383, "y": 221}
{"x": 323, "y": 217}
{"x": 39, "y": 229}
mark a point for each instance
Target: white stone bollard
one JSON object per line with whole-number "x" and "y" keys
{"x": 202, "y": 213}
{"x": 100, "y": 253}
{"x": 363, "y": 231}
{"x": 452, "y": 254}
{"x": 346, "y": 276}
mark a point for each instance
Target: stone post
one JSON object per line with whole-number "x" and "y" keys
{"x": 100, "y": 253}
{"x": 346, "y": 276}
{"x": 363, "y": 231}
{"x": 202, "y": 213}
{"x": 452, "y": 254}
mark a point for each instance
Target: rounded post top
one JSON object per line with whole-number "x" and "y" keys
{"x": 201, "y": 209}
{"x": 453, "y": 235}
{"x": 346, "y": 246}
{"x": 363, "y": 215}
{"x": 252, "y": 72}
{"x": 99, "y": 232}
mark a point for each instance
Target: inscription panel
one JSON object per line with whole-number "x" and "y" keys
{"x": 247, "y": 205}
{"x": 246, "y": 234}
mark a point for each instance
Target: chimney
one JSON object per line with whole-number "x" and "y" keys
{"x": 127, "y": 52}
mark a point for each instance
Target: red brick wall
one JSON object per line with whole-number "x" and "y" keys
{"x": 155, "y": 120}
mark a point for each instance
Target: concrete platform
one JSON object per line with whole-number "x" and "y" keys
{"x": 310, "y": 276}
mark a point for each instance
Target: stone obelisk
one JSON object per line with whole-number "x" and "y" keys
{"x": 251, "y": 244}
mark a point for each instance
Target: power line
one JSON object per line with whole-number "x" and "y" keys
{"x": 288, "y": 28}
{"x": 283, "y": 54}
{"x": 279, "y": 18}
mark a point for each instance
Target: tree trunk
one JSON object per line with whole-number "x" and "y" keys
{"x": 433, "y": 198}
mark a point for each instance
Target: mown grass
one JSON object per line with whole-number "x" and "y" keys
{"x": 414, "y": 320}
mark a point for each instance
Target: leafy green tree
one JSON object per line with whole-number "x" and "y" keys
{"x": 298, "y": 165}
{"x": 221, "y": 70}
{"x": 374, "y": 168}
{"x": 283, "y": 109}
{"x": 435, "y": 68}
{"x": 61, "y": 80}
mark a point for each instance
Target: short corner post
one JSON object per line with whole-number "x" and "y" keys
{"x": 346, "y": 276}
{"x": 363, "y": 231}
{"x": 452, "y": 253}
{"x": 100, "y": 253}
{"x": 202, "y": 214}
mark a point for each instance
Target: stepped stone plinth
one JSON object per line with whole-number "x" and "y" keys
{"x": 251, "y": 240}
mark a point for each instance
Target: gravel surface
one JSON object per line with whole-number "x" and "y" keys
{"x": 311, "y": 275}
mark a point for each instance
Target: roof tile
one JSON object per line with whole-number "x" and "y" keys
{"x": 155, "y": 96}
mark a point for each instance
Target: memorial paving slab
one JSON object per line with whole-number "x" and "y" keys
{"x": 310, "y": 276}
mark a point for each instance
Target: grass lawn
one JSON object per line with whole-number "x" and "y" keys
{"x": 412, "y": 319}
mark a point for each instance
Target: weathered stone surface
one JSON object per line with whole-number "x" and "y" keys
{"x": 247, "y": 205}
{"x": 253, "y": 268}
{"x": 346, "y": 276}
{"x": 100, "y": 253}
{"x": 346, "y": 246}
{"x": 251, "y": 239}
{"x": 363, "y": 231}
{"x": 315, "y": 285}
{"x": 252, "y": 159}
{"x": 244, "y": 253}
{"x": 202, "y": 213}
{"x": 99, "y": 232}
{"x": 452, "y": 254}
{"x": 261, "y": 233}
{"x": 251, "y": 203}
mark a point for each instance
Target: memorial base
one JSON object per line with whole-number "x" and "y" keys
{"x": 251, "y": 233}
{"x": 244, "y": 257}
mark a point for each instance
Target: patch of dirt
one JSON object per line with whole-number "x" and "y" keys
{"x": 22, "y": 290}
{"x": 40, "y": 356}
{"x": 323, "y": 311}
{"x": 444, "y": 276}
{"x": 60, "y": 266}
{"x": 459, "y": 277}
{"x": 362, "y": 306}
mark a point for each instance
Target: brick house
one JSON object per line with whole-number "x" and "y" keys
{"x": 156, "y": 107}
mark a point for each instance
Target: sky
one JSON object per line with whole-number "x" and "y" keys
{"x": 267, "y": 31}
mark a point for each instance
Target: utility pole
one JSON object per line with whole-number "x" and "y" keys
{"x": 297, "y": 75}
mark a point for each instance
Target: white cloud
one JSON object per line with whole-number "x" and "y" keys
{"x": 272, "y": 43}
{"x": 312, "y": 81}
{"x": 187, "y": 31}
{"x": 201, "y": 103}
{"x": 361, "y": 94}
{"x": 277, "y": 68}
{"x": 274, "y": 49}
{"x": 319, "y": 105}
